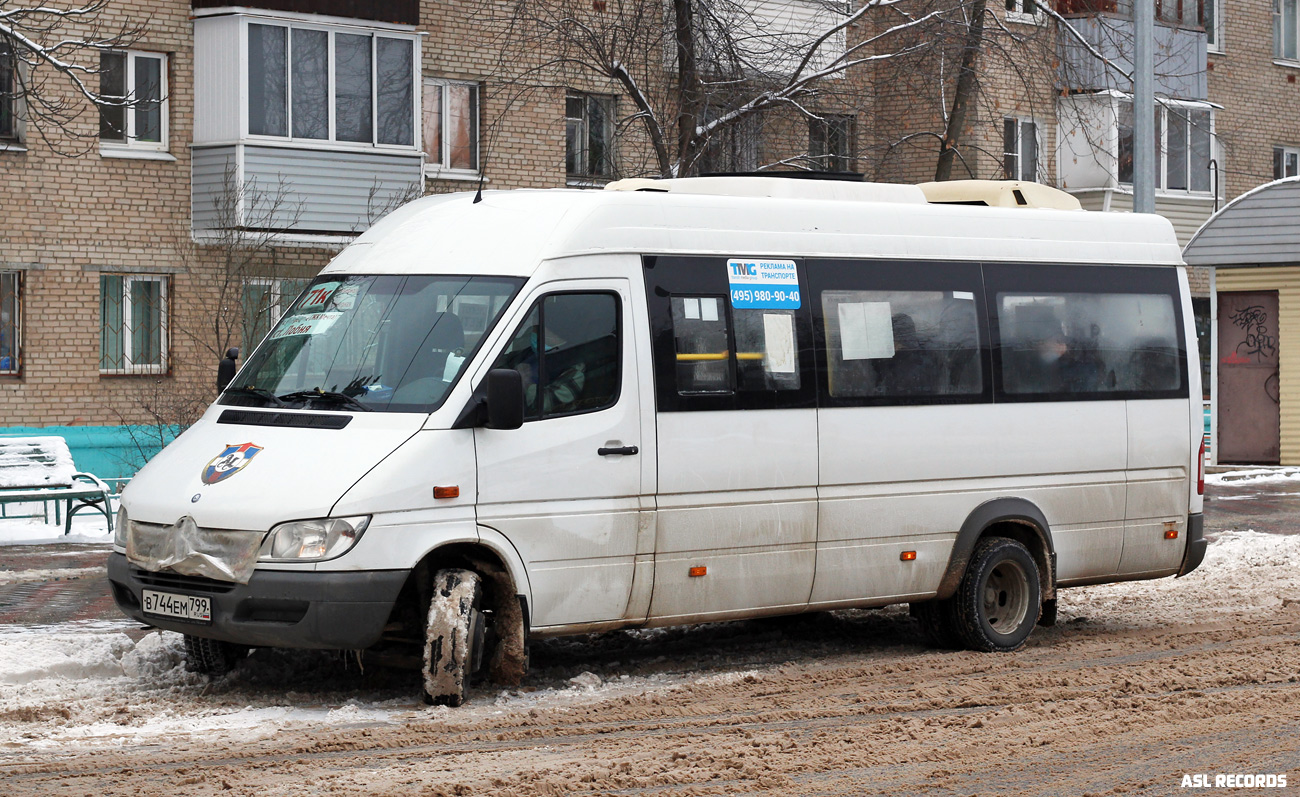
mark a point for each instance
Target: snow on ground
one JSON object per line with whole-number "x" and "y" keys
{"x": 89, "y": 684}
{"x": 88, "y": 526}
{"x": 1253, "y": 476}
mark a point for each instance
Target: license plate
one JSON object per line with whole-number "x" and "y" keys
{"x": 190, "y": 608}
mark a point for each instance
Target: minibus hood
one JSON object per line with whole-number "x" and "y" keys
{"x": 251, "y": 477}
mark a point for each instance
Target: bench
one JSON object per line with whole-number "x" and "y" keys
{"x": 40, "y": 469}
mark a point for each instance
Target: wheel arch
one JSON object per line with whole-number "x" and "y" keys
{"x": 501, "y": 570}
{"x": 1014, "y": 518}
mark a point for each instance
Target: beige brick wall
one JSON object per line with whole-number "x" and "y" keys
{"x": 1260, "y": 99}
{"x": 77, "y": 217}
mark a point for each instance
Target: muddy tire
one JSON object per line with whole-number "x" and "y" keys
{"x": 454, "y": 637}
{"x": 211, "y": 656}
{"x": 998, "y": 601}
{"x": 938, "y": 623}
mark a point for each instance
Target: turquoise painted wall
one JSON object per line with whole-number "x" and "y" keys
{"x": 109, "y": 452}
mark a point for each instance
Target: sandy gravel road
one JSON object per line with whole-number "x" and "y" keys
{"x": 1139, "y": 684}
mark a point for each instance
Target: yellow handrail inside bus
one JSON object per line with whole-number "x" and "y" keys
{"x": 722, "y": 355}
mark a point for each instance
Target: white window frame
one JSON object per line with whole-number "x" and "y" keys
{"x": 1285, "y": 151}
{"x": 1015, "y": 12}
{"x": 330, "y": 142}
{"x": 132, "y": 145}
{"x": 1214, "y": 33}
{"x": 16, "y": 345}
{"x": 128, "y": 363}
{"x": 1279, "y": 22}
{"x": 1162, "y": 159}
{"x": 1019, "y": 154}
{"x": 280, "y": 301}
{"x": 440, "y": 169}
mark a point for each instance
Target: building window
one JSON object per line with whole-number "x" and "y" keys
{"x": 10, "y": 323}
{"x": 1020, "y": 149}
{"x": 1285, "y": 23}
{"x": 830, "y": 143}
{"x": 8, "y": 94}
{"x": 139, "y": 79}
{"x": 1212, "y": 20}
{"x": 588, "y": 135}
{"x": 732, "y": 148}
{"x": 314, "y": 84}
{"x": 264, "y": 302}
{"x": 1286, "y": 162}
{"x": 132, "y": 324}
{"x": 451, "y": 115}
{"x": 1183, "y": 147}
{"x": 1023, "y": 11}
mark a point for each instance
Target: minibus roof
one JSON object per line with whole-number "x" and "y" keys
{"x": 510, "y": 232}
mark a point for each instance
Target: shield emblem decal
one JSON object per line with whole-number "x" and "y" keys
{"x": 229, "y": 462}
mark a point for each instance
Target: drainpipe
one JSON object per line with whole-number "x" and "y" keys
{"x": 1144, "y": 123}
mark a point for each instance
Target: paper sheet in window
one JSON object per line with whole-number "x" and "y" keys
{"x": 866, "y": 331}
{"x": 709, "y": 309}
{"x": 691, "y": 309}
{"x": 778, "y": 343}
{"x": 452, "y": 367}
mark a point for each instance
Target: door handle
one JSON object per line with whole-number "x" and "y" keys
{"x": 625, "y": 450}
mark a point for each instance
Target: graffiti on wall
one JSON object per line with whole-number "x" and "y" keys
{"x": 1259, "y": 343}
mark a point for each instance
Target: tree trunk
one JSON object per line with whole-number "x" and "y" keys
{"x": 965, "y": 91}
{"x": 689, "y": 89}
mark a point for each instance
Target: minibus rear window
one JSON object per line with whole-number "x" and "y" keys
{"x": 363, "y": 342}
{"x": 1088, "y": 343}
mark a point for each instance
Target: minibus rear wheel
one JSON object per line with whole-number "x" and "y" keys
{"x": 938, "y": 623}
{"x": 212, "y": 656}
{"x": 998, "y": 601}
{"x": 454, "y": 636}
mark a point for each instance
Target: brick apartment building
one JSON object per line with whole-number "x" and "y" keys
{"x": 268, "y": 135}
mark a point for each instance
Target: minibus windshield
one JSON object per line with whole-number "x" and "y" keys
{"x": 372, "y": 343}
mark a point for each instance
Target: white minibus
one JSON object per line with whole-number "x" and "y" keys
{"x": 533, "y": 413}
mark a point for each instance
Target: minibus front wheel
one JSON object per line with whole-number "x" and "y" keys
{"x": 454, "y": 636}
{"x": 212, "y": 656}
{"x": 998, "y": 601}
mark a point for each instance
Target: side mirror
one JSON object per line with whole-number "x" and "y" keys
{"x": 505, "y": 399}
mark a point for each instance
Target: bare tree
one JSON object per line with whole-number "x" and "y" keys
{"x": 696, "y": 69}
{"x": 50, "y": 59}
{"x": 926, "y": 83}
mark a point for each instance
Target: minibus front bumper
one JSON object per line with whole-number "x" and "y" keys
{"x": 276, "y": 608}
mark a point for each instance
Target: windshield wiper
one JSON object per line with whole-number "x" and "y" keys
{"x": 327, "y": 395}
{"x": 255, "y": 392}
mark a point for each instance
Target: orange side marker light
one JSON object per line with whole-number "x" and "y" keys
{"x": 1171, "y": 534}
{"x": 447, "y": 492}
{"x": 907, "y": 556}
{"x": 696, "y": 572}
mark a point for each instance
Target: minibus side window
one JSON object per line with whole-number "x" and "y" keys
{"x": 703, "y": 347}
{"x": 767, "y": 349}
{"x": 569, "y": 352}
{"x": 902, "y": 344}
{"x": 1088, "y": 343}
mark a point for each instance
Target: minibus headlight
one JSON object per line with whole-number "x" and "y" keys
{"x": 321, "y": 538}
{"x": 120, "y": 528}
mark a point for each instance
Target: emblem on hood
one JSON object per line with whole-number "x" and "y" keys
{"x": 229, "y": 462}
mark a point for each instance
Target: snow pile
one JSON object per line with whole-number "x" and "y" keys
{"x": 53, "y": 574}
{"x": 25, "y": 658}
{"x": 1253, "y": 476}
{"x": 1242, "y": 570}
